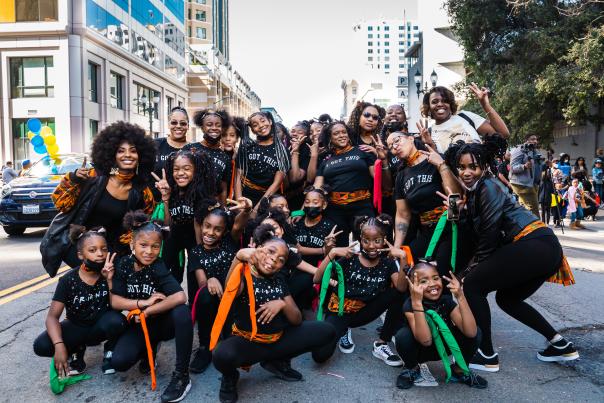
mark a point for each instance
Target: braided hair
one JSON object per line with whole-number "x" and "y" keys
{"x": 199, "y": 188}
{"x": 265, "y": 233}
{"x": 78, "y": 234}
{"x": 382, "y": 222}
{"x": 138, "y": 222}
{"x": 484, "y": 154}
{"x": 210, "y": 207}
{"x": 223, "y": 115}
{"x": 322, "y": 191}
{"x": 355, "y": 120}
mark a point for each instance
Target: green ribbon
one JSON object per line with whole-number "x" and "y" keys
{"x": 297, "y": 213}
{"x": 440, "y": 331}
{"x": 438, "y": 231}
{"x": 57, "y": 385}
{"x": 325, "y": 286}
{"x": 158, "y": 215}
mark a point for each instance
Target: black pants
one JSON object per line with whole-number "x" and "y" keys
{"x": 301, "y": 288}
{"x": 206, "y": 308}
{"x": 76, "y": 337}
{"x": 252, "y": 194}
{"x": 181, "y": 238}
{"x": 515, "y": 271}
{"x": 236, "y": 351}
{"x": 370, "y": 312}
{"x": 555, "y": 212}
{"x": 413, "y": 353}
{"x": 175, "y": 324}
{"x": 343, "y": 216}
{"x": 545, "y": 210}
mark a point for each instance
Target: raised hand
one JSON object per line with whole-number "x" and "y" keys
{"x": 242, "y": 203}
{"x": 394, "y": 253}
{"x": 416, "y": 289}
{"x": 345, "y": 251}
{"x": 433, "y": 157}
{"x": 381, "y": 150}
{"x": 460, "y": 203}
{"x": 83, "y": 173}
{"x": 454, "y": 285}
{"x": 330, "y": 239}
{"x": 108, "y": 270}
{"x": 424, "y": 133}
{"x": 481, "y": 93}
{"x": 162, "y": 185}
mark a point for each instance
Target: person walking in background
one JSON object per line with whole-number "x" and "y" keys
{"x": 597, "y": 175}
{"x": 8, "y": 173}
{"x": 574, "y": 205}
{"x": 546, "y": 189}
{"x": 524, "y": 175}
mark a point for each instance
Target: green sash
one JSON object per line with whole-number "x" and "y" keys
{"x": 325, "y": 286}
{"x": 440, "y": 331}
{"x": 438, "y": 231}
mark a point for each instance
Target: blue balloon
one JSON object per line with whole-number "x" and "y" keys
{"x": 40, "y": 149}
{"x": 34, "y": 125}
{"x": 37, "y": 141}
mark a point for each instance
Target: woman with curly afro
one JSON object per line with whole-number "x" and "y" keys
{"x": 123, "y": 158}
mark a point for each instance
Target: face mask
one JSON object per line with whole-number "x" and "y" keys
{"x": 210, "y": 139}
{"x": 312, "y": 212}
{"x": 366, "y": 255}
{"x": 262, "y": 138}
{"x": 94, "y": 266}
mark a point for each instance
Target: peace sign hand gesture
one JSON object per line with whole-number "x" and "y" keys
{"x": 242, "y": 203}
{"x": 424, "y": 133}
{"x": 162, "y": 185}
{"x": 83, "y": 173}
{"x": 108, "y": 270}
{"x": 394, "y": 253}
{"x": 379, "y": 147}
{"x": 330, "y": 239}
{"x": 455, "y": 285}
{"x": 481, "y": 93}
{"x": 434, "y": 158}
{"x": 416, "y": 290}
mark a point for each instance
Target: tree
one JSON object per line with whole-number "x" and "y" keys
{"x": 543, "y": 59}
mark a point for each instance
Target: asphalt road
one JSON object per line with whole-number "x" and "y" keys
{"x": 577, "y": 311}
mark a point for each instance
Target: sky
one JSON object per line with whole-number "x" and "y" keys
{"x": 295, "y": 53}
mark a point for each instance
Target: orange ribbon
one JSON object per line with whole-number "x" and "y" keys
{"x": 343, "y": 198}
{"x": 408, "y": 254}
{"x": 231, "y": 289}
{"x": 232, "y": 184}
{"x": 251, "y": 185}
{"x": 141, "y": 316}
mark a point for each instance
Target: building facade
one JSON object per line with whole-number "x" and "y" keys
{"x": 81, "y": 65}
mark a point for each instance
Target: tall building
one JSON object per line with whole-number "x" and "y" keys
{"x": 382, "y": 74}
{"x": 81, "y": 65}
{"x": 212, "y": 80}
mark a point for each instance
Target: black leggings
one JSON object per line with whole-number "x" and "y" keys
{"x": 236, "y": 351}
{"x": 413, "y": 353}
{"x": 370, "y": 312}
{"x": 301, "y": 288}
{"x": 179, "y": 240}
{"x": 76, "y": 337}
{"x": 545, "y": 210}
{"x": 206, "y": 308}
{"x": 343, "y": 216}
{"x": 175, "y": 324}
{"x": 515, "y": 271}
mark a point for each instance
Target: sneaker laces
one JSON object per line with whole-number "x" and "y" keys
{"x": 385, "y": 348}
{"x": 346, "y": 339}
{"x": 425, "y": 372}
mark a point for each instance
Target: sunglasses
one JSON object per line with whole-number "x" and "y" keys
{"x": 368, "y": 115}
{"x": 182, "y": 123}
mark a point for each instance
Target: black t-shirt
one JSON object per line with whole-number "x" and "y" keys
{"x": 418, "y": 186}
{"x": 261, "y": 162}
{"x": 214, "y": 262}
{"x": 349, "y": 171}
{"x": 164, "y": 150}
{"x": 265, "y": 290}
{"x": 393, "y": 164}
{"x": 365, "y": 283}
{"x": 109, "y": 213}
{"x": 132, "y": 284}
{"x": 181, "y": 213}
{"x": 313, "y": 237}
{"x": 220, "y": 160}
{"x": 443, "y": 307}
{"x": 84, "y": 303}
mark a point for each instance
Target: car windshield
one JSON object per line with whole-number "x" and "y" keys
{"x": 48, "y": 166}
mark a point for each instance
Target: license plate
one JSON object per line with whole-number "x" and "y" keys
{"x": 31, "y": 209}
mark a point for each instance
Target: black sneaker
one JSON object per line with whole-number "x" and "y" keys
{"x": 107, "y": 367}
{"x": 407, "y": 378}
{"x": 472, "y": 380}
{"x": 76, "y": 362}
{"x": 562, "y": 350}
{"x": 177, "y": 389}
{"x": 143, "y": 365}
{"x": 228, "y": 388}
{"x": 482, "y": 363}
{"x": 346, "y": 344}
{"x": 201, "y": 360}
{"x": 282, "y": 369}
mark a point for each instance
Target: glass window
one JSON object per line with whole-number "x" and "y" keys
{"x": 170, "y": 102}
{"x": 386, "y": 43}
{"x": 400, "y": 35}
{"x": 369, "y": 43}
{"x": 93, "y": 82}
{"x": 32, "y": 77}
{"x": 401, "y": 27}
{"x": 370, "y": 59}
{"x": 386, "y": 66}
{"x": 201, "y": 33}
{"x": 386, "y": 35}
{"x": 401, "y": 50}
{"x": 401, "y": 66}
{"x": 200, "y": 1}
{"x": 123, "y": 4}
{"x": 386, "y": 28}
{"x": 148, "y": 15}
{"x": 116, "y": 85}
{"x": 369, "y": 36}
{"x": 369, "y": 50}
{"x": 401, "y": 43}
{"x": 386, "y": 50}
{"x": 370, "y": 28}
{"x": 177, "y": 7}
{"x": 36, "y": 10}
{"x": 415, "y": 27}
{"x": 94, "y": 128}
{"x": 143, "y": 109}
{"x": 200, "y": 15}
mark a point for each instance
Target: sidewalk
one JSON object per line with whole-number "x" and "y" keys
{"x": 584, "y": 248}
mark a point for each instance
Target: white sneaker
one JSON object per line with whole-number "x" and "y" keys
{"x": 426, "y": 378}
{"x": 384, "y": 353}
{"x": 346, "y": 343}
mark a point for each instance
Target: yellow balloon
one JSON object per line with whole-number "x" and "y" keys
{"x": 57, "y": 160}
{"x": 52, "y": 149}
{"x": 45, "y": 131}
{"x": 50, "y": 140}
{"x": 30, "y": 135}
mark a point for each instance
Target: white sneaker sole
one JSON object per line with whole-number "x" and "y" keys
{"x": 346, "y": 351}
{"x": 564, "y": 357}
{"x": 426, "y": 384}
{"x": 389, "y": 363}
{"x": 183, "y": 395}
{"x": 485, "y": 368}
{"x": 109, "y": 371}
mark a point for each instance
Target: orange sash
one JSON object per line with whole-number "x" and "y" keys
{"x": 230, "y": 292}
{"x": 249, "y": 184}
{"x": 141, "y": 315}
{"x": 350, "y": 305}
{"x": 432, "y": 216}
{"x": 343, "y": 198}
{"x": 264, "y": 338}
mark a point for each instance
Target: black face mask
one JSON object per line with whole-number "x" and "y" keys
{"x": 94, "y": 266}
{"x": 395, "y": 126}
{"x": 210, "y": 139}
{"x": 312, "y": 212}
{"x": 262, "y": 138}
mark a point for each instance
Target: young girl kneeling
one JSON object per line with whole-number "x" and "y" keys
{"x": 433, "y": 317}
{"x": 142, "y": 282}
{"x": 84, "y": 294}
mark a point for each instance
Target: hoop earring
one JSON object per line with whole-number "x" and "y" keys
{"x": 114, "y": 171}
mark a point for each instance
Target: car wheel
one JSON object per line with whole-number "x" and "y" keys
{"x": 13, "y": 230}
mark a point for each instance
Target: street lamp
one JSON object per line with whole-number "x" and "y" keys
{"x": 417, "y": 77}
{"x": 149, "y": 107}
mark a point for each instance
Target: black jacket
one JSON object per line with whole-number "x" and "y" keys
{"x": 495, "y": 216}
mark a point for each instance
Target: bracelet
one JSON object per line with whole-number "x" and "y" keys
{"x": 58, "y": 342}
{"x": 418, "y": 310}
{"x": 137, "y": 304}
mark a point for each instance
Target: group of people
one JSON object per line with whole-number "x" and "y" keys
{"x": 351, "y": 221}
{"x": 9, "y": 173}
